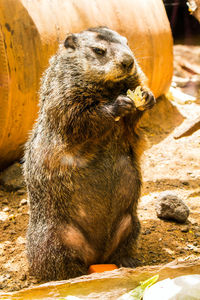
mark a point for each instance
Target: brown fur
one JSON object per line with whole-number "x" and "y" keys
{"x": 81, "y": 166}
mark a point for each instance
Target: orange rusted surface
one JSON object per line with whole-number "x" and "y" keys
{"x": 30, "y": 32}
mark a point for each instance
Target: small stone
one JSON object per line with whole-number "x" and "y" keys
{"x": 194, "y": 223}
{"x": 21, "y": 192}
{"x": 20, "y": 240}
{"x": 12, "y": 178}
{"x": 185, "y": 183}
{"x": 3, "y": 216}
{"x": 146, "y": 232}
{"x": 2, "y": 194}
{"x": 12, "y": 218}
{"x": 195, "y": 244}
{"x": 192, "y": 247}
{"x": 197, "y": 250}
{"x": 6, "y": 209}
{"x": 196, "y": 234}
{"x": 23, "y": 277}
{"x": 185, "y": 228}
{"x": 181, "y": 251}
{"x": 170, "y": 207}
{"x": 6, "y": 225}
{"x": 5, "y": 201}
{"x": 171, "y": 229}
{"x": 23, "y": 202}
{"x": 12, "y": 232}
{"x": 197, "y": 228}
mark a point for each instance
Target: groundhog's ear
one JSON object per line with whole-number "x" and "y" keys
{"x": 71, "y": 41}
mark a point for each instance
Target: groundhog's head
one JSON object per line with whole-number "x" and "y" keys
{"x": 102, "y": 54}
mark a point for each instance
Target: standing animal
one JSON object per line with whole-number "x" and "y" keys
{"x": 82, "y": 159}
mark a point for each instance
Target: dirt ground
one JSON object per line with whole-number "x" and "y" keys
{"x": 167, "y": 164}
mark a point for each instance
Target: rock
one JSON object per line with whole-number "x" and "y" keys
{"x": 185, "y": 183}
{"x": 23, "y": 202}
{"x": 6, "y": 225}
{"x": 12, "y": 178}
{"x": 23, "y": 277}
{"x": 3, "y": 216}
{"x": 5, "y": 201}
{"x": 170, "y": 207}
{"x": 146, "y": 232}
{"x": 21, "y": 191}
{"x": 6, "y": 209}
{"x": 197, "y": 235}
{"x": 21, "y": 241}
{"x": 185, "y": 228}
{"x": 181, "y": 251}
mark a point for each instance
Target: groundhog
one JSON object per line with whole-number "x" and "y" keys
{"x": 82, "y": 159}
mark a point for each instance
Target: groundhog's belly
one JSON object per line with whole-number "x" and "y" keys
{"x": 105, "y": 191}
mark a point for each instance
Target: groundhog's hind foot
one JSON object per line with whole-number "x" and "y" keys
{"x": 129, "y": 262}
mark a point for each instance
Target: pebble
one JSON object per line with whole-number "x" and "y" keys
{"x": 21, "y": 192}
{"x": 197, "y": 250}
{"x": 20, "y": 240}
{"x": 5, "y": 201}
{"x": 12, "y": 178}
{"x": 192, "y": 247}
{"x": 12, "y": 232}
{"x": 185, "y": 183}
{"x": 3, "y": 216}
{"x": 23, "y": 277}
{"x": 6, "y": 225}
{"x": 171, "y": 229}
{"x": 6, "y": 209}
{"x": 146, "y": 232}
{"x": 185, "y": 229}
{"x": 23, "y": 202}
{"x": 196, "y": 234}
{"x": 197, "y": 228}
{"x": 170, "y": 207}
{"x": 8, "y": 276}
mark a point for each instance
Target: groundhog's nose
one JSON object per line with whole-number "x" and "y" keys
{"x": 127, "y": 63}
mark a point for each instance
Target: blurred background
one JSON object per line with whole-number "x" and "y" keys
{"x": 185, "y": 27}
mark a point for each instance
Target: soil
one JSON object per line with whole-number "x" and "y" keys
{"x": 167, "y": 164}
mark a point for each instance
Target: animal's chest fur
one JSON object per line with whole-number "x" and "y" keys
{"x": 106, "y": 189}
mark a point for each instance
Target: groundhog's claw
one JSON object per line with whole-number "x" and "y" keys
{"x": 123, "y": 105}
{"x": 149, "y": 100}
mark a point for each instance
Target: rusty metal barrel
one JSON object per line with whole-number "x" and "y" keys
{"x": 30, "y": 32}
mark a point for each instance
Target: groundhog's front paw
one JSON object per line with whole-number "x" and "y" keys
{"x": 129, "y": 262}
{"x": 148, "y": 98}
{"x": 123, "y": 105}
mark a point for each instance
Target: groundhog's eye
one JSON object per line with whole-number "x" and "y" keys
{"x": 99, "y": 51}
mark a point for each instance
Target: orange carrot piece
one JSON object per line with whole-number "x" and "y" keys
{"x": 101, "y": 268}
